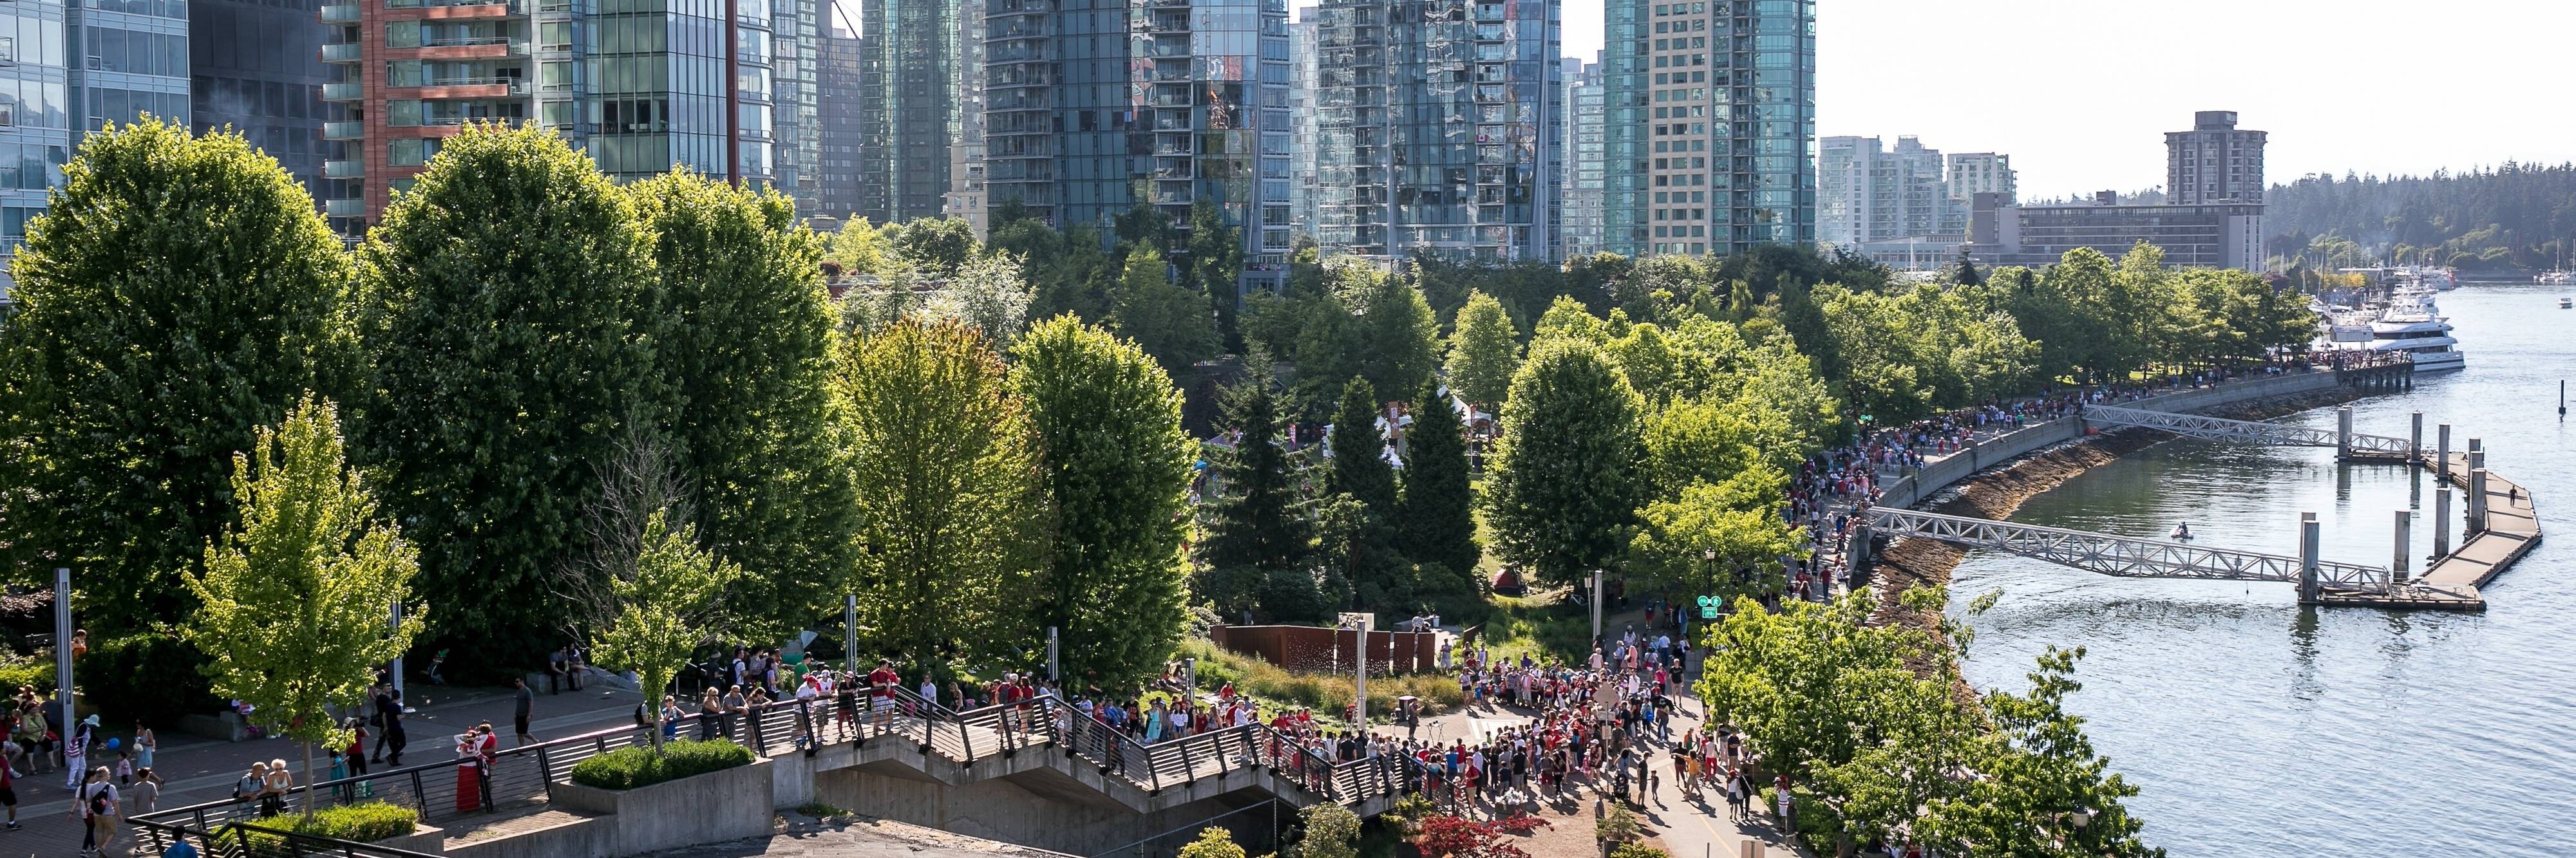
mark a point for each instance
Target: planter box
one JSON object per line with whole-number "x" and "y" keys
{"x": 422, "y": 839}
{"x": 733, "y": 804}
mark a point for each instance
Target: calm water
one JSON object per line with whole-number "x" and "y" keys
{"x": 2258, "y": 728}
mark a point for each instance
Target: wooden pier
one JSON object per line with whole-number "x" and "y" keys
{"x": 2511, "y": 529}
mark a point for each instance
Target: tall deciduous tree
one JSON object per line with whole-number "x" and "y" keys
{"x": 1399, "y": 334}
{"x": 947, "y": 485}
{"x": 666, "y": 607}
{"x": 292, "y": 600}
{"x": 1436, "y": 516}
{"x": 1116, "y": 468}
{"x": 179, "y": 294}
{"x": 1167, "y": 320}
{"x": 1483, "y": 351}
{"x": 512, "y": 331}
{"x": 746, "y": 340}
{"x": 1565, "y": 488}
{"x": 936, "y": 247}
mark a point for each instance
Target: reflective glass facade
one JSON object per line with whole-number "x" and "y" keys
{"x": 841, "y": 55}
{"x": 1711, "y": 125}
{"x": 66, "y": 70}
{"x": 1586, "y": 162}
{"x": 1440, "y": 124}
{"x": 256, "y": 67}
{"x": 1093, "y": 106}
{"x": 908, "y": 85}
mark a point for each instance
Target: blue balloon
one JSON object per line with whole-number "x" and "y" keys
{"x": 111, "y": 744}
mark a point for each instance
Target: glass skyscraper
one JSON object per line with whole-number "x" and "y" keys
{"x": 1440, "y": 124}
{"x": 1586, "y": 163}
{"x": 908, "y": 105}
{"x": 1094, "y": 106}
{"x": 1712, "y": 125}
{"x": 257, "y": 68}
{"x": 66, "y": 70}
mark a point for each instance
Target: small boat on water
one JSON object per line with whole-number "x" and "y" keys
{"x": 2181, "y": 533}
{"x": 2567, "y": 303}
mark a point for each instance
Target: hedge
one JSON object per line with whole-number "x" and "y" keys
{"x": 364, "y": 823}
{"x": 628, "y": 768}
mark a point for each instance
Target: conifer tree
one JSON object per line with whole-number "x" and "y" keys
{"x": 1437, "y": 516}
{"x": 1257, "y": 552}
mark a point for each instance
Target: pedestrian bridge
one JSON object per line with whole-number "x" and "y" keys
{"x": 2126, "y": 556}
{"x": 2250, "y": 432}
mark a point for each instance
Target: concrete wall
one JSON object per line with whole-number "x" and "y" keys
{"x": 1908, "y": 491}
{"x": 711, "y": 808}
{"x": 1040, "y": 809}
{"x": 571, "y": 836}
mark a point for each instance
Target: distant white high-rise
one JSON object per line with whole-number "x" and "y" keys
{"x": 1973, "y": 173}
{"x": 1867, "y": 193}
{"x": 1586, "y": 172}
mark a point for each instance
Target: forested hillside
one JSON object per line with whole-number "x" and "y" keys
{"x": 2513, "y": 217}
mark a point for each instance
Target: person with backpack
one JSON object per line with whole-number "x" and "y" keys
{"x": 96, "y": 810}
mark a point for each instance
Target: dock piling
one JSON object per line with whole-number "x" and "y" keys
{"x": 2397, "y": 566}
{"x": 2343, "y": 432}
{"x": 2308, "y": 589}
{"x": 2477, "y": 500}
{"x": 2415, "y": 438}
{"x": 2441, "y": 522}
{"x": 2442, "y": 455}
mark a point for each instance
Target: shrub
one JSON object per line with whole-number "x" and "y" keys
{"x": 1618, "y": 826}
{"x": 628, "y": 768}
{"x": 1332, "y": 831}
{"x": 1638, "y": 850}
{"x": 364, "y": 823}
{"x": 36, "y": 670}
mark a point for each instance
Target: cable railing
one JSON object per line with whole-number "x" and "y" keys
{"x": 522, "y": 779}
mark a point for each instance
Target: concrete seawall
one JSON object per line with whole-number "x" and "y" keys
{"x": 1941, "y": 473}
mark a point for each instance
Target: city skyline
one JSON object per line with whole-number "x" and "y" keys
{"x": 2102, "y": 137}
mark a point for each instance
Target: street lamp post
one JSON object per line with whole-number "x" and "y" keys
{"x": 1596, "y": 606}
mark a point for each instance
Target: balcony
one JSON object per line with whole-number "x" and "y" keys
{"x": 340, "y": 92}
{"x": 473, "y": 87}
{"x": 343, "y": 170}
{"x": 344, "y": 52}
{"x": 344, "y": 208}
{"x": 343, "y": 130}
{"x": 340, "y": 13}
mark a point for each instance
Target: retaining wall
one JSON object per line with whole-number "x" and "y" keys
{"x": 732, "y": 804}
{"x": 1040, "y": 808}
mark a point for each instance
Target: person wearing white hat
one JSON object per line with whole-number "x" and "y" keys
{"x": 76, "y": 751}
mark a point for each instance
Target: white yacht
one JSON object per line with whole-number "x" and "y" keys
{"x": 2411, "y": 323}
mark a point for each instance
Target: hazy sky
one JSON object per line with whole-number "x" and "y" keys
{"x": 2080, "y": 92}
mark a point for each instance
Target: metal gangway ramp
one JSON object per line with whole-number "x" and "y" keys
{"x": 2341, "y": 438}
{"x": 2126, "y": 556}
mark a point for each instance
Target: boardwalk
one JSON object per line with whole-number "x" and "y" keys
{"x": 2513, "y": 528}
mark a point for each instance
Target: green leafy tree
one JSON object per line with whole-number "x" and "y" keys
{"x": 1564, "y": 488}
{"x": 178, "y": 295}
{"x": 1167, "y": 320}
{"x": 1437, "y": 513}
{"x": 1714, "y": 539}
{"x": 947, "y": 479}
{"x": 1483, "y": 351}
{"x": 1331, "y": 831}
{"x": 664, "y": 608}
{"x": 1117, "y": 471}
{"x": 511, "y": 328}
{"x": 292, "y": 600}
{"x": 747, "y": 344}
{"x": 1213, "y": 842}
{"x": 863, "y": 247}
{"x": 936, "y": 247}
{"x": 1260, "y": 541}
{"x": 987, "y": 294}
{"x": 1399, "y": 334}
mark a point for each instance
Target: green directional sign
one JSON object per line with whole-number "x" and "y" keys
{"x": 1708, "y": 606}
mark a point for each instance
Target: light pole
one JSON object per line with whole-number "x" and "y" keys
{"x": 1360, "y": 622}
{"x": 1596, "y": 606}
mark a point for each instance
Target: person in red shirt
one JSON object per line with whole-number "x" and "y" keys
{"x": 881, "y": 683}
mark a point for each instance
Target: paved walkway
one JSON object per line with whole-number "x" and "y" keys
{"x": 200, "y": 770}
